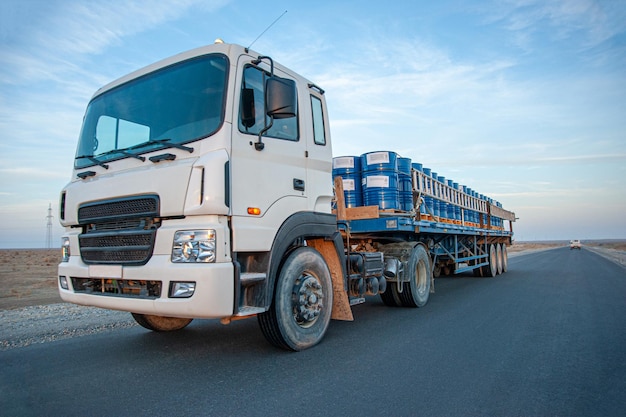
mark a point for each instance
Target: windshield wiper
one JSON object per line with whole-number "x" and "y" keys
{"x": 94, "y": 160}
{"x": 165, "y": 142}
{"x": 132, "y": 155}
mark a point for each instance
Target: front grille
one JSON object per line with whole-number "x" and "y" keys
{"x": 144, "y": 206}
{"x": 124, "y": 257}
{"x": 118, "y": 287}
{"x": 117, "y": 225}
{"x": 120, "y": 240}
{"x": 121, "y": 231}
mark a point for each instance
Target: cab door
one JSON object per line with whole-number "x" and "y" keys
{"x": 318, "y": 146}
{"x": 268, "y": 184}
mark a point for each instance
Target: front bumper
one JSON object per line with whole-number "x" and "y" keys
{"x": 213, "y": 296}
{"x": 214, "y": 282}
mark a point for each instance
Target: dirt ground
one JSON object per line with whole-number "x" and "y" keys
{"x": 29, "y": 276}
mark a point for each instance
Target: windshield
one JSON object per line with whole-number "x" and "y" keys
{"x": 177, "y": 104}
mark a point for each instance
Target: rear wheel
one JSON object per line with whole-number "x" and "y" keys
{"x": 415, "y": 293}
{"x": 499, "y": 258}
{"x": 160, "y": 323}
{"x": 492, "y": 269}
{"x": 300, "y": 312}
{"x": 505, "y": 259}
{"x": 391, "y": 296}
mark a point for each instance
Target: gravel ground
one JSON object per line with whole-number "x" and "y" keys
{"x": 46, "y": 323}
{"x": 617, "y": 256}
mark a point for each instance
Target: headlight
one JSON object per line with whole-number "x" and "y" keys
{"x": 194, "y": 246}
{"x": 65, "y": 249}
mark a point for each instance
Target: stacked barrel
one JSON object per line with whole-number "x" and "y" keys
{"x": 380, "y": 180}
{"x": 387, "y": 180}
{"x": 349, "y": 169}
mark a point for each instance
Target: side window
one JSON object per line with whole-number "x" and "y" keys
{"x": 319, "y": 134}
{"x": 252, "y": 116}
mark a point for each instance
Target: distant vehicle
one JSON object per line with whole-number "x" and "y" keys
{"x": 575, "y": 244}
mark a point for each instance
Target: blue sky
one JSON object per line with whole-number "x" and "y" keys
{"x": 522, "y": 100}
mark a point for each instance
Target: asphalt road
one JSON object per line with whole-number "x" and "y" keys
{"x": 548, "y": 338}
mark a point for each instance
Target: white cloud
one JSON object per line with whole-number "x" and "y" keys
{"x": 531, "y": 21}
{"x": 56, "y": 40}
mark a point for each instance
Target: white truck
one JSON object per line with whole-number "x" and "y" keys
{"x": 202, "y": 188}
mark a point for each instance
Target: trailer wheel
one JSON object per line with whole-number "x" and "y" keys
{"x": 300, "y": 312}
{"x": 505, "y": 259}
{"x": 160, "y": 323}
{"x": 492, "y": 269}
{"x": 499, "y": 259}
{"x": 391, "y": 296}
{"x": 415, "y": 293}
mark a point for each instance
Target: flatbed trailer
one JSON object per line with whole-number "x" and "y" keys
{"x": 454, "y": 246}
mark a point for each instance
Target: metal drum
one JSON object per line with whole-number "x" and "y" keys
{"x": 379, "y": 180}
{"x": 405, "y": 184}
{"x": 349, "y": 169}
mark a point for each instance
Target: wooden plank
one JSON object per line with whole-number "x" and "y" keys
{"x": 364, "y": 212}
{"x": 501, "y": 213}
{"x": 340, "y": 198}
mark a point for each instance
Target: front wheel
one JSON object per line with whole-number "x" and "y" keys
{"x": 160, "y": 323}
{"x": 300, "y": 312}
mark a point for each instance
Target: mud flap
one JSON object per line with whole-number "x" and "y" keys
{"x": 341, "y": 303}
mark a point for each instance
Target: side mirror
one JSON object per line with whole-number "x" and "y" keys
{"x": 280, "y": 98}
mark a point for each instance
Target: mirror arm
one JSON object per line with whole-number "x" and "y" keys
{"x": 259, "y": 145}
{"x": 260, "y": 58}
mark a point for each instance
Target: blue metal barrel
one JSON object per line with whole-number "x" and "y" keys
{"x": 379, "y": 161}
{"x": 457, "y": 207}
{"x": 405, "y": 184}
{"x": 349, "y": 169}
{"x": 380, "y": 180}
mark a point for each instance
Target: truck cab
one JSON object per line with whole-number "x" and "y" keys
{"x": 194, "y": 179}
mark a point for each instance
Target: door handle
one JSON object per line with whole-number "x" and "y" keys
{"x": 298, "y": 184}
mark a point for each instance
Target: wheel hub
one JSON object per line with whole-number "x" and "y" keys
{"x": 307, "y": 299}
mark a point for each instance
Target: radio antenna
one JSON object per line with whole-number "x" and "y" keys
{"x": 266, "y": 29}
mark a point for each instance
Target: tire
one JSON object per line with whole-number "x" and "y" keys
{"x": 491, "y": 270}
{"x": 499, "y": 259}
{"x": 300, "y": 312}
{"x": 505, "y": 259}
{"x": 391, "y": 297}
{"x": 415, "y": 293}
{"x": 160, "y": 323}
